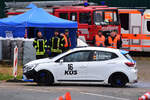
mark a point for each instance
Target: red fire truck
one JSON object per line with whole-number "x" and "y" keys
{"x": 90, "y": 19}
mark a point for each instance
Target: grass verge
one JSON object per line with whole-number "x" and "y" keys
{"x": 6, "y": 72}
{"x": 8, "y": 77}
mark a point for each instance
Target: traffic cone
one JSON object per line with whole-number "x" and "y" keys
{"x": 146, "y": 96}
{"x": 67, "y": 96}
{"x": 61, "y": 98}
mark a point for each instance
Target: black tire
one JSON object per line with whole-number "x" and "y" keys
{"x": 118, "y": 80}
{"x": 45, "y": 78}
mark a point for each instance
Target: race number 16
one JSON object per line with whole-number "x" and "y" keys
{"x": 70, "y": 67}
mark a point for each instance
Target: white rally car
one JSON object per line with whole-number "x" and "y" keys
{"x": 84, "y": 65}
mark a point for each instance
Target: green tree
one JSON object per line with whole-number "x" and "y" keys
{"x": 29, "y": 0}
{"x": 2, "y": 9}
{"x": 124, "y": 3}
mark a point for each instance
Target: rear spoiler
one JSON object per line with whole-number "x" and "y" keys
{"x": 124, "y": 52}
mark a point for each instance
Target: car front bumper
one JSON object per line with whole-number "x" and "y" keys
{"x": 32, "y": 74}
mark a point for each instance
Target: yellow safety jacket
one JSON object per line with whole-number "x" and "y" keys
{"x": 56, "y": 44}
{"x": 40, "y": 44}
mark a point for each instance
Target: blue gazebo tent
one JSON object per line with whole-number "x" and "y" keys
{"x": 38, "y": 19}
{"x": 31, "y": 5}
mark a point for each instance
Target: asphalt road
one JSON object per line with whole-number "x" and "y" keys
{"x": 30, "y": 91}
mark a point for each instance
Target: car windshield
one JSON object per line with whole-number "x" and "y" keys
{"x": 105, "y": 17}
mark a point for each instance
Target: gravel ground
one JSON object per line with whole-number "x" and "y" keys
{"x": 143, "y": 66}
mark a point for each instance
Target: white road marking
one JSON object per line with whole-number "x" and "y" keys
{"x": 104, "y": 96}
{"x": 47, "y": 91}
{"x": 2, "y": 86}
{"x": 35, "y": 90}
{"x": 26, "y": 89}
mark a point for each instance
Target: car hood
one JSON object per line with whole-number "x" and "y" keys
{"x": 45, "y": 60}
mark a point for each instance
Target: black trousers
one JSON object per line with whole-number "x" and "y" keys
{"x": 53, "y": 54}
{"x": 40, "y": 56}
{"x": 65, "y": 49}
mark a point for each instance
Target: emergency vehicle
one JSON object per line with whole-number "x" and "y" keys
{"x": 84, "y": 65}
{"x": 90, "y": 19}
{"x": 135, "y": 29}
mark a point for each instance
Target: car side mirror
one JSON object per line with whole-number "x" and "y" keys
{"x": 61, "y": 61}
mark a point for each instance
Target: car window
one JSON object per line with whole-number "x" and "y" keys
{"x": 79, "y": 56}
{"x": 148, "y": 24}
{"x": 128, "y": 56}
{"x": 103, "y": 55}
{"x": 73, "y": 16}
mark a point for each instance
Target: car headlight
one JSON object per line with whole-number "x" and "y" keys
{"x": 27, "y": 68}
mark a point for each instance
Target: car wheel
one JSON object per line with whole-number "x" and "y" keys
{"x": 118, "y": 81}
{"x": 45, "y": 78}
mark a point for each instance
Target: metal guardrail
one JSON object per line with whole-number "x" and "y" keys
{"x": 26, "y": 52}
{"x": 42, "y": 3}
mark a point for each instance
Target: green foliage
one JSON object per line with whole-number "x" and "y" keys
{"x": 124, "y": 3}
{"x": 2, "y": 9}
{"x": 5, "y": 77}
{"x": 8, "y": 77}
{"x": 28, "y": 0}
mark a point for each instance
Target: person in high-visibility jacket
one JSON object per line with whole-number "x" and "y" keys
{"x": 40, "y": 44}
{"x": 67, "y": 41}
{"x": 115, "y": 40}
{"x": 56, "y": 44}
{"x": 99, "y": 39}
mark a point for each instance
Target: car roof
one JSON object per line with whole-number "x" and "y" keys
{"x": 82, "y": 48}
{"x": 95, "y": 48}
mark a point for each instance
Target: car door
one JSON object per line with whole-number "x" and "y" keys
{"x": 73, "y": 67}
{"x": 101, "y": 65}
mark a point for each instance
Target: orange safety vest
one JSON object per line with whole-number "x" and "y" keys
{"x": 66, "y": 41}
{"x": 113, "y": 42}
{"x": 99, "y": 40}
